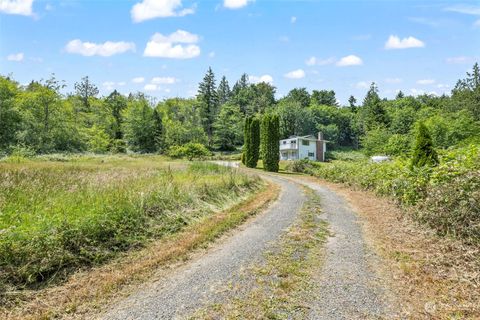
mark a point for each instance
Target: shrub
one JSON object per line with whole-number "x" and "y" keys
{"x": 303, "y": 166}
{"x": 190, "y": 151}
{"x": 424, "y": 153}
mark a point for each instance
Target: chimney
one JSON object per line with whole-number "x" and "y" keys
{"x": 320, "y": 136}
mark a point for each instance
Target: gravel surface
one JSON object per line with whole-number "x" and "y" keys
{"x": 349, "y": 288}
{"x": 198, "y": 283}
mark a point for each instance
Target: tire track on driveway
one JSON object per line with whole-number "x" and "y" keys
{"x": 195, "y": 284}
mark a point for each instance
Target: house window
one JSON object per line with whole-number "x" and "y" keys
{"x": 311, "y": 154}
{"x": 284, "y": 142}
{"x": 293, "y": 141}
{"x": 305, "y": 142}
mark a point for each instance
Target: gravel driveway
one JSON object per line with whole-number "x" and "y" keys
{"x": 198, "y": 282}
{"x": 348, "y": 287}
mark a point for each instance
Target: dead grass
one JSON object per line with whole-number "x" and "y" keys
{"x": 433, "y": 277}
{"x": 86, "y": 291}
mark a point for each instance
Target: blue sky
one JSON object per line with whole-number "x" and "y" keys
{"x": 163, "y": 47}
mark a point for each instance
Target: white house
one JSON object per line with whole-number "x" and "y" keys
{"x": 306, "y": 147}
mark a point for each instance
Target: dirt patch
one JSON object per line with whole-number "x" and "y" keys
{"x": 86, "y": 291}
{"x": 434, "y": 277}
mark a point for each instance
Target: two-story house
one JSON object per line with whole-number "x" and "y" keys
{"x": 306, "y": 147}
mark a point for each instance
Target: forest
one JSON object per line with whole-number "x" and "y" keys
{"x": 39, "y": 119}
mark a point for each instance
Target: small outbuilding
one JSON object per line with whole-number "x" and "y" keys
{"x": 305, "y": 147}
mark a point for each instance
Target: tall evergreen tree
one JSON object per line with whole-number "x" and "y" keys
{"x": 424, "y": 153}
{"x": 352, "y": 101}
{"x": 400, "y": 95}
{"x": 208, "y": 99}
{"x": 374, "y": 114}
{"x": 241, "y": 93}
{"x": 247, "y": 141}
{"x": 223, "y": 91}
{"x": 255, "y": 142}
{"x": 270, "y": 135}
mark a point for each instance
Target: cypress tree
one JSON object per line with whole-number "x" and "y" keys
{"x": 254, "y": 142}
{"x": 424, "y": 153}
{"x": 247, "y": 146}
{"x": 270, "y": 135}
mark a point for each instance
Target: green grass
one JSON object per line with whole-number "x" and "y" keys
{"x": 63, "y": 213}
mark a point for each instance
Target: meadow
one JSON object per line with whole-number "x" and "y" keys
{"x": 62, "y": 213}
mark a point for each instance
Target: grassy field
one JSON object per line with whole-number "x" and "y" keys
{"x": 59, "y": 214}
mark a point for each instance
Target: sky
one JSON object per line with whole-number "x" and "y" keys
{"x": 164, "y": 47}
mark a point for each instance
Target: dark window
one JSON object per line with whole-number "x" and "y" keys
{"x": 311, "y": 154}
{"x": 284, "y": 142}
{"x": 293, "y": 141}
{"x": 305, "y": 142}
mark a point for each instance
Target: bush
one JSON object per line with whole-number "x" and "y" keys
{"x": 190, "y": 151}
{"x": 446, "y": 197}
{"x": 303, "y": 166}
{"x": 270, "y": 136}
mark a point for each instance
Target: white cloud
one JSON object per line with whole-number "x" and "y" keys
{"x": 211, "y": 54}
{"x": 350, "y": 60}
{"x": 425, "y": 81}
{"x": 293, "y": 19}
{"x": 312, "y": 61}
{"x": 236, "y": 4}
{"x": 21, "y": 7}
{"x": 476, "y": 24}
{"x": 265, "y": 78}
{"x": 443, "y": 86}
{"x": 295, "y": 74}
{"x": 150, "y": 9}
{"x": 473, "y": 10}
{"x": 106, "y": 49}
{"x": 150, "y": 87}
{"x": 394, "y": 42}
{"x": 417, "y": 92}
{"x": 108, "y": 85}
{"x": 362, "y": 85}
{"x": 171, "y": 46}
{"x": 138, "y": 80}
{"x": 163, "y": 80}
{"x": 459, "y": 59}
{"x": 393, "y": 80}
{"x": 15, "y": 57}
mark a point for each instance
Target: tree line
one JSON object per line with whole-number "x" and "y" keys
{"x": 38, "y": 117}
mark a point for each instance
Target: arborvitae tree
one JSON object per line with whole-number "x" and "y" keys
{"x": 85, "y": 90}
{"x": 324, "y": 97}
{"x": 270, "y": 136}
{"x": 223, "y": 91}
{"x": 157, "y": 130}
{"x": 247, "y": 141}
{"x": 255, "y": 142}
{"x": 208, "y": 99}
{"x": 424, "y": 153}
